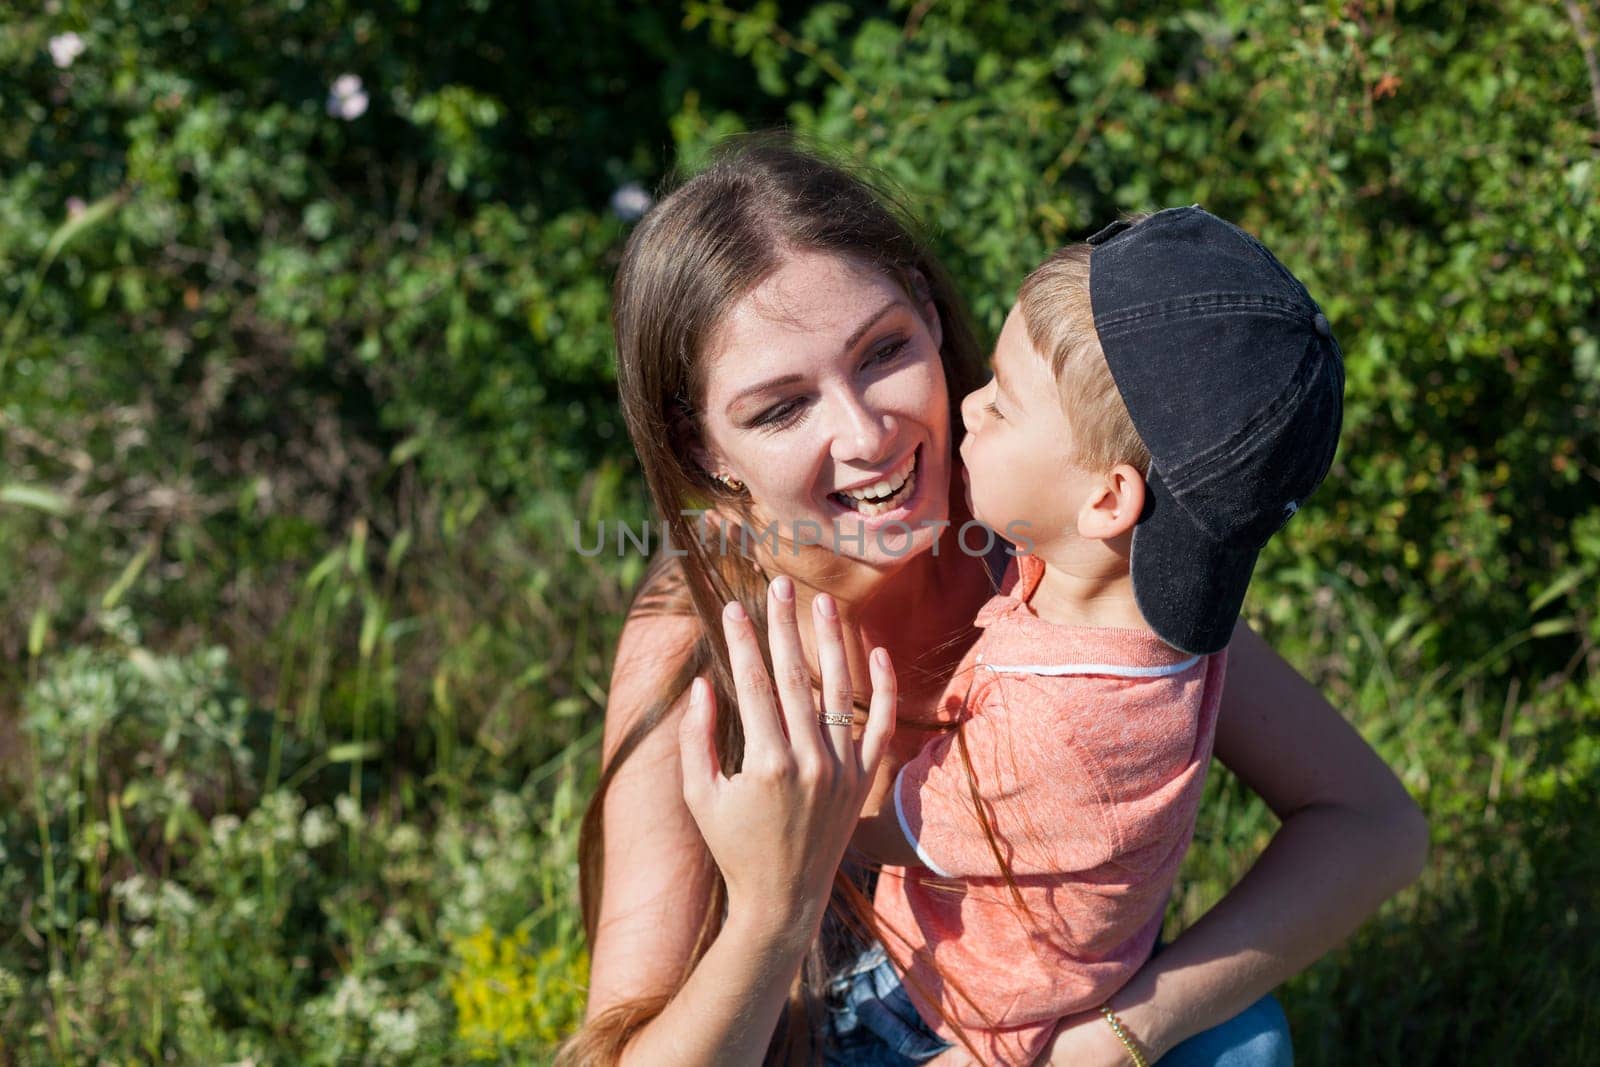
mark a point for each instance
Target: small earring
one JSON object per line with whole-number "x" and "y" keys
{"x": 728, "y": 482}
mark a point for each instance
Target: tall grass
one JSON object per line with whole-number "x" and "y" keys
{"x": 347, "y": 861}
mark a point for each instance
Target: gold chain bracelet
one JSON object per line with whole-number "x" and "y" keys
{"x": 1122, "y": 1036}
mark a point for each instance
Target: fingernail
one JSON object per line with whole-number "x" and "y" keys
{"x": 783, "y": 588}
{"x": 880, "y": 657}
{"x": 825, "y": 606}
{"x": 734, "y": 612}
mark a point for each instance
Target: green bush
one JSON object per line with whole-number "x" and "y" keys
{"x": 304, "y": 379}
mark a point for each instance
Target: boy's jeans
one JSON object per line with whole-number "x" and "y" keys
{"x": 873, "y": 1024}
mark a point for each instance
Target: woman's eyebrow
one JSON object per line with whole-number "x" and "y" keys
{"x": 870, "y": 322}
{"x": 771, "y": 383}
{"x": 789, "y": 379}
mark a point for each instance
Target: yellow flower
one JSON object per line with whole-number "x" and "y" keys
{"x": 509, "y": 1000}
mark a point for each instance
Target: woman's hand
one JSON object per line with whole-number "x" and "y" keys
{"x": 778, "y": 828}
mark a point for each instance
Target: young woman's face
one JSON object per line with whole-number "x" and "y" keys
{"x": 826, "y": 397}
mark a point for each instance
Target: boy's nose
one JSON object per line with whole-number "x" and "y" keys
{"x": 972, "y": 409}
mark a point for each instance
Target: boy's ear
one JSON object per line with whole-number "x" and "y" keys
{"x": 1114, "y": 507}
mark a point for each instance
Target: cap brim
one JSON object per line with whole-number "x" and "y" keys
{"x": 1188, "y": 586}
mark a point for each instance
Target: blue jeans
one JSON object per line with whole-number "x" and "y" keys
{"x": 873, "y": 1024}
{"x": 1256, "y": 1037}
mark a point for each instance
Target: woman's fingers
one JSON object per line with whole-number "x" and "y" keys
{"x": 697, "y": 745}
{"x": 880, "y": 716}
{"x": 837, "y": 696}
{"x": 763, "y": 737}
{"x": 790, "y": 670}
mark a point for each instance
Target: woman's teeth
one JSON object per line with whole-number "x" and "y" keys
{"x": 883, "y": 496}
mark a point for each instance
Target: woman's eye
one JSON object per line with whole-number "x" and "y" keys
{"x": 886, "y": 353}
{"x": 778, "y": 416}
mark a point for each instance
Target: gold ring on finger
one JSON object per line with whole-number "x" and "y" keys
{"x": 833, "y": 718}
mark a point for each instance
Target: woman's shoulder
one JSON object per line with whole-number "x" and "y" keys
{"x": 653, "y": 645}
{"x": 656, "y": 648}
{"x": 661, "y": 626}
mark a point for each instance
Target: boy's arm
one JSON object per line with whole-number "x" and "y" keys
{"x": 880, "y": 838}
{"x": 879, "y": 835}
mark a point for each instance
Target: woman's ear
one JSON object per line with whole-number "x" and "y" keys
{"x": 707, "y": 460}
{"x": 702, "y": 460}
{"x": 716, "y": 470}
{"x": 1113, "y": 509}
{"x": 930, "y": 310}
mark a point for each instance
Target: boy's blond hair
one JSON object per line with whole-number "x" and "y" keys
{"x": 1059, "y": 318}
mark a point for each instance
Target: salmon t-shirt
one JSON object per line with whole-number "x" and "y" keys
{"x": 1088, "y": 750}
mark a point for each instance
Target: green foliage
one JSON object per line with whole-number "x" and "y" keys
{"x": 303, "y": 382}
{"x": 318, "y": 934}
{"x": 1431, "y": 176}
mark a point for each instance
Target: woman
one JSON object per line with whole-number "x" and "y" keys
{"x": 785, "y": 349}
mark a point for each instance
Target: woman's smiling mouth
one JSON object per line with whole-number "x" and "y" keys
{"x": 884, "y": 495}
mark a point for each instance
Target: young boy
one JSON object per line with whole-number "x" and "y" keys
{"x": 1165, "y": 397}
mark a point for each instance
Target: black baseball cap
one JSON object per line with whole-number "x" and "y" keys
{"x": 1233, "y": 379}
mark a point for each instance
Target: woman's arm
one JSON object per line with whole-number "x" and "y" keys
{"x": 1351, "y": 837}
{"x": 776, "y": 828}
{"x": 658, "y": 877}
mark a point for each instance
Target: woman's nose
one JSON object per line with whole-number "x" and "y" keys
{"x": 861, "y": 432}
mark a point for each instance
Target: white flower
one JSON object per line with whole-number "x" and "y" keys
{"x": 278, "y": 814}
{"x": 405, "y": 838}
{"x": 177, "y": 903}
{"x": 347, "y": 99}
{"x": 66, "y": 47}
{"x": 392, "y": 938}
{"x": 630, "y": 202}
{"x": 223, "y": 827}
{"x": 138, "y": 899}
{"x": 318, "y": 828}
{"x": 395, "y": 1032}
{"x": 353, "y": 999}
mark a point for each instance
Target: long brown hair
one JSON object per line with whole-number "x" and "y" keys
{"x": 691, "y": 258}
